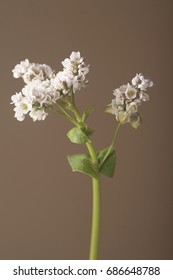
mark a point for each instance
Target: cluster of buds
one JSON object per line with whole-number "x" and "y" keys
{"x": 43, "y": 87}
{"x": 127, "y": 100}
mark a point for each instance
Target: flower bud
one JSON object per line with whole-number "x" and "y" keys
{"x": 122, "y": 116}
{"x": 135, "y": 120}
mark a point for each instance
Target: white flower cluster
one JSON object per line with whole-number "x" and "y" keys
{"x": 32, "y": 71}
{"x": 128, "y": 98}
{"x": 43, "y": 87}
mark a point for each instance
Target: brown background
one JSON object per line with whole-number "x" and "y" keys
{"x": 45, "y": 209}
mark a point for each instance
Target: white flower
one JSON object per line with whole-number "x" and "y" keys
{"x": 71, "y": 64}
{"x": 32, "y": 71}
{"x": 75, "y": 65}
{"x": 145, "y": 84}
{"x": 132, "y": 107}
{"x": 67, "y": 64}
{"x": 127, "y": 100}
{"x": 115, "y": 108}
{"x": 22, "y": 108}
{"x": 130, "y": 92}
{"x": 38, "y": 114}
{"x": 141, "y": 82}
{"x": 137, "y": 101}
{"x": 62, "y": 82}
{"x": 47, "y": 70}
{"x": 19, "y": 116}
{"x": 144, "y": 96}
{"x": 43, "y": 87}
{"x": 121, "y": 90}
{"x": 75, "y": 56}
{"x": 16, "y": 99}
{"x": 37, "y": 72}
{"x": 137, "y": 80}
{"x": 35, "y": 93}
{"x": 20, "y": 69}
{"x": 119, "y": 98}
{"x": 66, "y": 82}
{"x": 51, "y": 93}
{"x": 78, "y": 83}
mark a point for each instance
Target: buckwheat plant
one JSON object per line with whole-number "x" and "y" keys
{"x": 45, "y": 90}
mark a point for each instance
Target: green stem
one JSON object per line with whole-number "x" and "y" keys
{"x": 96, "y": 209}
{"x": 77, "y": 113}
{"x": 111, "y": 147}
{"x": 92, "y": 152}
{"x": 65, "y": 113}
{"x": 96, "y": 220}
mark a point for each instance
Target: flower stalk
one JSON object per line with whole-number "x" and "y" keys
{"x": 96, "y": 201}
{"x": 46, "y": 90}
{"x": 112, "y": 146}
{"x": 96, "y": 220}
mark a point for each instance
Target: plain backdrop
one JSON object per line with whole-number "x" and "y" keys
{"x": 45, "y": 208}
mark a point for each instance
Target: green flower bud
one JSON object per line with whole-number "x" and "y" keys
{"x": 122, "y": 116}
{"x": 109, "y": 109}
{"x": 135, "y": 120}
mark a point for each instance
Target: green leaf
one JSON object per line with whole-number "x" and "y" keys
{"x": 108, "y": 166}
{"x": 77, "y": 136}
{"x": 82, "y": 163}
{"x": 86, "y": 113}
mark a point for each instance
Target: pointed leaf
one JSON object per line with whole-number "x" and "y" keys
{"x": 108, "y": 166}
{"x": 82, "y": 163}
{"x": 77, "y": 136}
